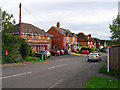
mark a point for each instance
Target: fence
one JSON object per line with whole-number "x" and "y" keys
{"x": 114, "y": 58}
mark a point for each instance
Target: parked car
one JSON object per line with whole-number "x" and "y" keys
{"x": 47, "y": 53}
{"x": 55, "y": 52}
{"x": 67, "y": 52}
{"x": 84, "y": 52}
{"x": 94, "y": 57}
{"x": 62, "y": 52}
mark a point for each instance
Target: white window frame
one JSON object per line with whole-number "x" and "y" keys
{"x": 39, "y": 37}
{"x": 32, "y": 36}
{"x": 48, "y": 38}
{"x": 36, "y": 36}
{"x": 48, "y": 46}
{"x": 67, "y": 39}
{"x": 73, "y": 39}
{"x": 25, "y": 36}
{"x": 88, "y": 42}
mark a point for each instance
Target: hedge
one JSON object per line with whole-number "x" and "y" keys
{"x": 18, "y": 48}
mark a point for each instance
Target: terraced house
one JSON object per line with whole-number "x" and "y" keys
{"x": 86, "y": 40}
{"x": 63, "y": 38}
{"x": 37, "y": 38}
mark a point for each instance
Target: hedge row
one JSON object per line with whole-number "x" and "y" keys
{"x": 18, "y": 49}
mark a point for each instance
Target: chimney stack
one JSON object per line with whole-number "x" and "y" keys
{"x": 58, "y": 24}
{"x": 89, "y": 35}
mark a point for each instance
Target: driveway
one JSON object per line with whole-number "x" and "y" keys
{"x": 67, "y": 71}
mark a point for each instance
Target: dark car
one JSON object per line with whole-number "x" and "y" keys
{"x": 55, "y": 52}
{"x": 62, "y": 52}
{"x": 47, "y": 53}
{"x": 67, "y": 52}
{"x": 84, "y": 52}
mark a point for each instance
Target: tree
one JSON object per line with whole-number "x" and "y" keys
{"x": 8, "y": 22}
{"x": 115, "y": 30}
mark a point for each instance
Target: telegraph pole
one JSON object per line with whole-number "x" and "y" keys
{"x": 20, "y": 19}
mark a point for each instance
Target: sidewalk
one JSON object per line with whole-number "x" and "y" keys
{"x": 78, "y": 54}
{"x": 106, "y": 76}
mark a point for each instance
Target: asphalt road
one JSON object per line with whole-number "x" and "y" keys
{"x": 63, "y": 72}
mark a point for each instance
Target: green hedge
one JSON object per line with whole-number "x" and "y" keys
{"x": 88, "y": 48}
{"x": 18, "y": 49}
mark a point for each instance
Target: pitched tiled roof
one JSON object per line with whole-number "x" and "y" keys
{"x": 81, "y": 37}
{"x": 65, "y": 32}
{"x": 28, "y": 29}
{"x": 97, "y": 40}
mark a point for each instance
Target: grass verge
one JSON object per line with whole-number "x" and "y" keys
{"x": 32, "y": 58}
{"x": 103, "y": 70}
{"x": 100, "y": 82}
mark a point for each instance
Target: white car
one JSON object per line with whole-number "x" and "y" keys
{"x": 94, "y": 57}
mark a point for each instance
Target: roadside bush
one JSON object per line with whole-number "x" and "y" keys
{"x": 18, "y": 49}
{"x": 31, "y": 53}
{"x": 87, "y": 48}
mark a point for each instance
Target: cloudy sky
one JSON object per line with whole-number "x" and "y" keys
{"x": 87, "y": 16}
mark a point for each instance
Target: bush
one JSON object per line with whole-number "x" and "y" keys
{"x": 31, "y": 53}
{"x": 103, "y": 50}
{"x": 18, "y": 48}
{"x": 87, "y": 48}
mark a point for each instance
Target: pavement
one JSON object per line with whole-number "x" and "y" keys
{"x": 66, "y": 71}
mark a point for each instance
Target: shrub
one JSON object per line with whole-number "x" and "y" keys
{"x": 87, "y": 48}
{"x": 18, "y": 48}
{"x": 31, "y": 53}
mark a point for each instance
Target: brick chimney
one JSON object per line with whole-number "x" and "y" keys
{"x": 58, "y": 24}
{"x": 89, "y": 35}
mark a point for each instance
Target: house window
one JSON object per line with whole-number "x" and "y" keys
{"x": 48, "y": 46}
{"x": 25, "y": 36}
{"x": 88, "y": 42}
{"x": 48, "y": 38}
{"x": 39, "y": 37}
{"x": 32, "y": 36}
{"x": 54, "y": 47}
{"x": 36, "y": 36}
{"x": 91, "y": 42}
{"x": 32, "y": 47}
{"x": 73, "y": 39}
{"x": 43, "y": 37}
{"x": 63, "y": 39}
{"x": 67, "y": 39}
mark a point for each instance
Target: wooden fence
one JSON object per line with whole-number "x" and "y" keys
{"x": 114, "y": 58}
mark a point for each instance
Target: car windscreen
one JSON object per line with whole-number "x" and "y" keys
{"x": 93, "y": 54}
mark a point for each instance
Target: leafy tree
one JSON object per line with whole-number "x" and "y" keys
{"x": 8, "y": 22}
{"x": 115, "y": 30}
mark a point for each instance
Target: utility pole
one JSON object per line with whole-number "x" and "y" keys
{"x": 20, "y": 20}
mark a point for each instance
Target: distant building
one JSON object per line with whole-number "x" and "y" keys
{"x": 37, "y": 38}
{"x": 63, "y": 38}
{"x": 103, "y": 44}
{"x": 85, "y": 40}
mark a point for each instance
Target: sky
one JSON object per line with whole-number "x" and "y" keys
{"x": 87, "y": 16}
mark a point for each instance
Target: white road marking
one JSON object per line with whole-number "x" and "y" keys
{"x": 56, "y": 83}
{"x": 57, "y": 66}
{"x": 51, "y": 67}
{"x": 15, "y": 75}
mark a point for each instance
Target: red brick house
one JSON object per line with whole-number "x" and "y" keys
{"x": 85, "y": 40}
{"x": 103, "y": 44}
{"x": 63, "y": 38}
{"x": 37, "y": 38}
